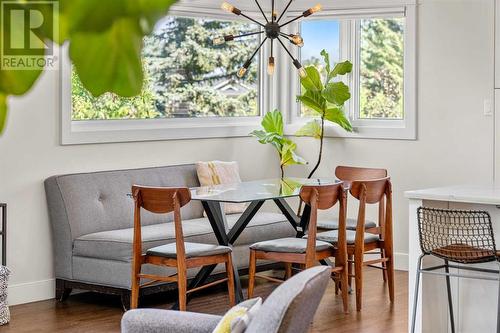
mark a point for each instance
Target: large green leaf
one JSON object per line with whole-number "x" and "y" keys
{"x": 312, "y": 129}
{"x": 18, "y": 82}
{"x": 312, "y": 81}
{"x": 3, "y": 112}
{"x": 337, "y": 116}
{"x": 83, "y": 16}
{"x": 288, "y": 155}
{"x": 313, "y": 100}
{"x": 342, "y": 68}
{"x": 326, "y": 58}
{"x": 273, "y": 122}
{"x": 337, "y": 93}
{"x": 110, "y": 61}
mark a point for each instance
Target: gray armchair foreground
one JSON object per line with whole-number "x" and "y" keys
{"x": 289, "y": 309}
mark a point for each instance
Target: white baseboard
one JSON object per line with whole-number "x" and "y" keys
{"x": 401, "y": 261}
{"x": 31, "y": 291}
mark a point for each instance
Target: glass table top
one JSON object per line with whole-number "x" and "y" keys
{"x": 267, "y": 189}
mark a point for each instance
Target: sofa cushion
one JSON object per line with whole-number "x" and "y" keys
{"x": 117, "y": 244}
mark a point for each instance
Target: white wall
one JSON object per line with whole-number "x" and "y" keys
{"x": 455, "y": 141}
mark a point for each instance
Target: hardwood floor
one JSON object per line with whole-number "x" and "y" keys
{"x": 88, "y": 312}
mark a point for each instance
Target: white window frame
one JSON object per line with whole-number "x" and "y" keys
{"x": 128, "y": 130}
{"x": 405, "y": 129}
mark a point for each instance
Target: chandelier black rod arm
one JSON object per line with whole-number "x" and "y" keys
{"x": 284, "y": 11}
{"x": 286, "y": 49}
{"x": 272, "y": 47}
{"x": 292, "y": 20}
{"x": 249, "y": 34}
{"x": 272, "y": 11}
{"x": 263, "y": 14}
{"x": 285, "y": 35}
{"x": 256, "y": 51}
{"x": 253, "y": 20}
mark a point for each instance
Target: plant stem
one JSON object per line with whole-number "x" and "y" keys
{"x": 299, "y": 211}
{"x": 320, "y": 147}
{"x": 282, "y": 171}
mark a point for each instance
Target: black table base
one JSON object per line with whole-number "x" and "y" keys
{"x": 228, "y": 237}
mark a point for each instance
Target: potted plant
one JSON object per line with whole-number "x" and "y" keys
{"x": 325, "y": 95}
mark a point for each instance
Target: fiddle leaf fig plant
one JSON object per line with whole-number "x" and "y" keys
{"x": 272, "y": 133}
{"x": 326, "y": 98}
{"x": 105, "y": 44}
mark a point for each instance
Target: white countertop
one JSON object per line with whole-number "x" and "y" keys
{"x": 487, "y": 194}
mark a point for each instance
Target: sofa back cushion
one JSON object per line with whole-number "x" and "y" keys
{"x": 291, "y": 307}
{"x": 99, "y": 201}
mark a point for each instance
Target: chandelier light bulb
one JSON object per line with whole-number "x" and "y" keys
{"x": 302, "y": 73}
{"x": 218, "y": 40}
{"x": 316, "y": 8}
{"x": 242, "y": 72}
{"x": 271, "y": 66}
{"x": 297, "y": 40}
{"x": 230, "y": 8}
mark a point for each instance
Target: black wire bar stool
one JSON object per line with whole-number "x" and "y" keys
{"x": 459, "y": 236}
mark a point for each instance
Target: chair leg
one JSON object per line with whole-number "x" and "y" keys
{"x": 182, "y": 286}
{"x": 384, "y": 265}
{"x": 230, "y": 280}
{"x": 134, "y": 297}
{"x": 415, "y": 296}
{"x": 345, "y": 289}
{"x": 450, "y": 301}
{"x": 350, "y": 266}
{"x": 390, "y": 274}
{"x": 251, "y": 273}
{"x": 358, "y": 278}
{"x": 288, "y": 270}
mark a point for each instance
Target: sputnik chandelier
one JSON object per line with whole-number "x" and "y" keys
{"x": 272, "y": 30}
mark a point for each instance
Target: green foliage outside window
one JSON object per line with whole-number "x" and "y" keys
{"x": 381, "y": 68}
{"x": 185, "y": 75}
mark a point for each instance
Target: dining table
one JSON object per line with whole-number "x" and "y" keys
{"x": 255, "y": 194}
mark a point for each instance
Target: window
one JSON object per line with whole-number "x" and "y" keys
{"x": 186, "y": 76}
{"x": 191, "y": 89}
{"x": 381, "y": 45}
{"x": 381, "y": 68}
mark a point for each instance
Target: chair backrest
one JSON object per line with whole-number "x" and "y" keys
{"x": 373, "y": 192}
{"x": 349, "y": 174}
{"x": 322, "y": 197}
{"x": 464, "y": 236}
{"x": 160, "y": 200}
{"x": 291, "y": 307}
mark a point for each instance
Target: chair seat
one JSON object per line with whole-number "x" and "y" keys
{"x": 288, "y": 245}
{"x": 465, "y": 253}
{"x": 333, "y": 223}
{"x": 332, "y": 237}
{"x": 192, "y": 250}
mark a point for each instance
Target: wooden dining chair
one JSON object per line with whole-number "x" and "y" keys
{"x": 348, "y": 174}
{"x": 308, "y": 251}
{"x": 364, "y": 240}
{"x": 181, "y": 255}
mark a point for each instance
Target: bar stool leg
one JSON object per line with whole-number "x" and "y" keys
{"x": 498, "y": 305}
{"x": 415, "y": 296}
{"x": 450, "y": 301}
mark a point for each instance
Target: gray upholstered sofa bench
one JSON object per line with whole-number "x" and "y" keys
{"x": 92, "y": 219}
